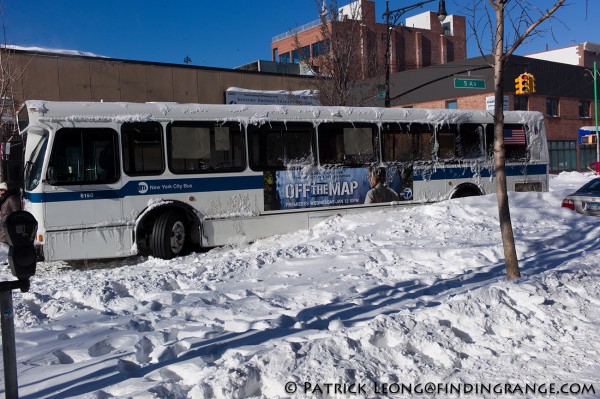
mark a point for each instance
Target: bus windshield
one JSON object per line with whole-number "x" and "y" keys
{"x": 33, "y": 170}
{"x": 23, "y": 118}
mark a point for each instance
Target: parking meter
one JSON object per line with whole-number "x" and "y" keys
{"x": 20, "y": 228}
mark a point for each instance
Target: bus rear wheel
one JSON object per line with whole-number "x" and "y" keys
{"x": 466, "y": 193}
{"x": 168, "y": 237}
{"x": 466, "y": 190}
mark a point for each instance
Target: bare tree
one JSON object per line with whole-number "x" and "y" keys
{"x": 341, "y": 57}
{"x": 521, "y": 16}
{"x": 11, "y": 72}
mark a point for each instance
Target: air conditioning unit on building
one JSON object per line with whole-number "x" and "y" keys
{"x": 306, "y": 69}
{"x": 589, "y": 139}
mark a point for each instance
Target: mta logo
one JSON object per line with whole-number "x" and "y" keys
{"x": 142, "y": 187}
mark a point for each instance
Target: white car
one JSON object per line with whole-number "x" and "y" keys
{"x": 586, "y": 200}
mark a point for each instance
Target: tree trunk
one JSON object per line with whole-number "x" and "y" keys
{"x": 508, "y": 239}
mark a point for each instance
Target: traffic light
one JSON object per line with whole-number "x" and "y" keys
{"x": 525, "y": 84}
{"x": 525, "y": 80}
{"x": 520, "y": 83}
{"x": 531, "y": 80}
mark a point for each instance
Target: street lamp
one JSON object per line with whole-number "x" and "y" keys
{"x": 395, "y": 16}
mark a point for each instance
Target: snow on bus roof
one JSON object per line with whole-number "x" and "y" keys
{"x": 120, "y": 112}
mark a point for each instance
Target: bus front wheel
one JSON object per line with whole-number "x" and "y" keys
{"x": 168, "y": 236}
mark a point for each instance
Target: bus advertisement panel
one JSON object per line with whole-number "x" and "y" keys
{"x": 298, "y": 189}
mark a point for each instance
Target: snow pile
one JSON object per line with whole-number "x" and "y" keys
{"x": 358, "y": 306}
{"x": 52, "y": 51}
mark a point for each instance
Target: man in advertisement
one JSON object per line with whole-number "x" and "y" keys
{"x": 380, "y": 192}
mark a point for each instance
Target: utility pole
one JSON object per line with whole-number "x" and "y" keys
{"x": 596, "y": 112}
{"x": 396, "y": 14}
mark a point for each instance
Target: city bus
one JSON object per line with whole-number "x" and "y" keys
{"x": 109, "y": 180}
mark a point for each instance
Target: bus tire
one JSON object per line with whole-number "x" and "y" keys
{"x": 466, "y": 190}
{"x": 168, "y": 237}
{"x": 466, "y": 193}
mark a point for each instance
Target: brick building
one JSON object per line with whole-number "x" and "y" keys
{"x": 420, "y": 42}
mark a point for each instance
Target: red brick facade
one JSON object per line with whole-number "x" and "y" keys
{"x": 411, "y": 47}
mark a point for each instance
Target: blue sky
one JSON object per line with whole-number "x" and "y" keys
{"x": 225, "y": 33}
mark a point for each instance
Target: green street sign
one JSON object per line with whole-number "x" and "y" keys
{"x": 469, "y": 83}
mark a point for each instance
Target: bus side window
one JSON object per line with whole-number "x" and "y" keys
{"x": 489, "y": 140}
{"x": 347, "y": 144}
{"x": 84, "y": 156}
{"x": 515, "y": 142}
{"x": 107, "y": 162}
{"x": 459, "y": 142}
{"x": 446, "y": 139}
{"x": 469, "y": 141}
{"x": 406, "y": 143}
{"x": 229, "y": 149}
{"x": 276, "y": 146}
{"x": 205, "y": 147}
{"x": 142, "y": 148}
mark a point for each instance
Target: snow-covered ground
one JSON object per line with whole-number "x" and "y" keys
{"x": 360, "y": 306}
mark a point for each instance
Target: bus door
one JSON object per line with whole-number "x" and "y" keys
{"x": 83, "y": 180}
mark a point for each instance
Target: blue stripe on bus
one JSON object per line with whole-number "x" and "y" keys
{"x": 468, "y": 173}
{"x": 153, "y": 187}
{"x": 223, "y": 183}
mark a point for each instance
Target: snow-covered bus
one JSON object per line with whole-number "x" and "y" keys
{"x": 108, "y": 180}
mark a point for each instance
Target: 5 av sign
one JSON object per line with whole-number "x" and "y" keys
{"x": 469, "y": 83}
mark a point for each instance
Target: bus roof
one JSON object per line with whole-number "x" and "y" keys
{"x": 120, "y": 112}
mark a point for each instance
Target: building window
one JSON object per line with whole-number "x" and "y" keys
{"x": 450, "y": 52}
{"x": 552, "y": 106}
{"x": 447, "y": 28}
{"x": 304, "y": 53}
{"x": 587, "y": 154}
{"x": 316, "y": 51}
{"x": 451, "y": 104}
{"x": 295, "y": 58}
{"x": 320, "y": 48}
{"x": 563, "y": 155}
{"x": 521, "y": 103}
{"x": 285, "y": 57}
{"x": 584, "y": 108}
